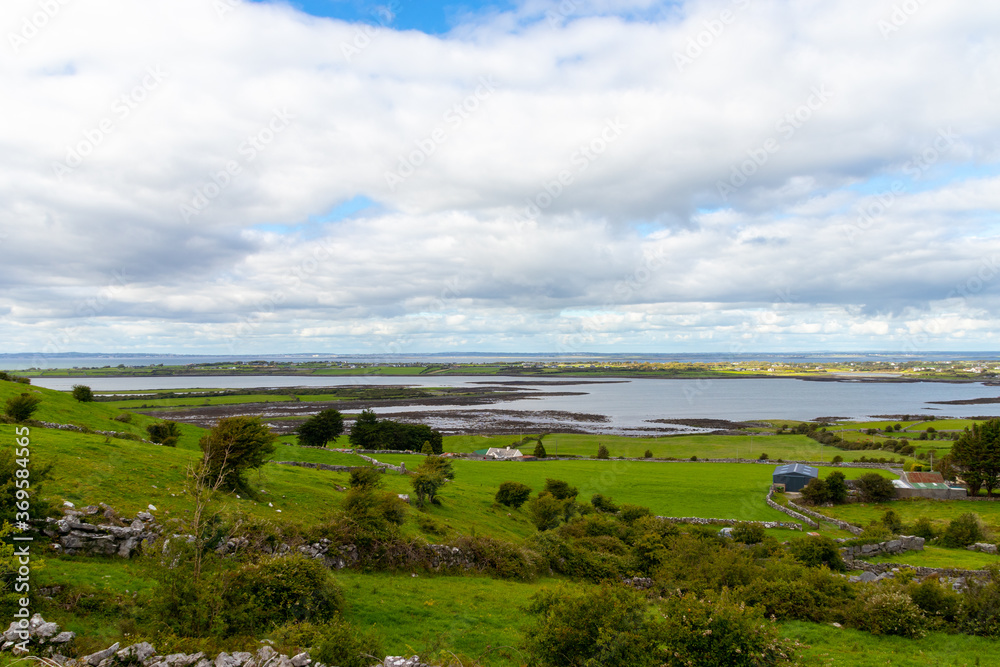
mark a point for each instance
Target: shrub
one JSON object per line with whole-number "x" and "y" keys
{"x": 560, "y": 489}
{"x": 277, "y": 590}
{"x": 83, "y": 393}
{"x": 499, "y": 558}
{"x": 607, "y": 626}
{"x": 874, "y": 488}
{"x": 963, "y": 531}
{"x": 14, "y": 378}
{"x": 980, "y": 611}
{"x": 923, "y": 527}
{"x": 693, "y": 458}
{"x": 602, "y": 452}
{"x": 426, "y": 486}
{"x": 513, "y": 494}
{"x": 540, "y": 450}
{"x": 546, "y": 510}
{"x": 21, "y": 407}
{"x": 935, "y": 600}
{"x": 125, "y": 418}
{"x": 816, "y": 551}
{"x": 437, "y": 465}
{"x": 648, "y": 454}
{"x": 838, "y": 459}
{"x": 703, "y": 633}
{"x": 836, "y": 488}
{"x": 374, "y": 511}
{"x": 334, "y": 643}
{"x": 748, "y": 532}
{"x": 427, "y": 448}
{"x": 366, "y": 478}
{"x": 631, "y": 513}
{"x": 603, "y": 504}
{"x": 763, "y": 457}
{"x": 892, "y": 521}
{"x": 884, "y": 611}
{"x": 873, "y": 533}
{"x": 165, "y": 433}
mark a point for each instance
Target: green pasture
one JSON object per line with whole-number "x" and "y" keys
{"x": 940, "y": 512}
{"x": 932, "y": 556}
{"x": 853, "y": 648}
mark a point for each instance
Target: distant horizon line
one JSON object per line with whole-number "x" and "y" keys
{"x": 455, "y": 353}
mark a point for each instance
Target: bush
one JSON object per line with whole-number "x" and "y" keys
{"x": 763, "y": 457}
{"x": 546, "y": 510}
{"x": 366, "y": 478}
{"x": 165, "y": 433}
{"x": 838, "y": 459}
{"x": 836, "y": 488}
{"x": 125, "y": 418}
{"x": 648, "y": 454}
{"x": 426, "y": 486}
{"x": 277, "y": 590}
{"x": 874, "y": 488}
{"x": 539, "y": 450}
{"x": 816, "y": 551}
{"x": 334, "y": 643}
{"x": 923, "y": 527}
{"x": 560, "y": 489}
{"x": 14, "y": 378}
{"x": 21, "y": 407}
{"x": 607, "y": 626}
{"x": 632, "y": 513}
{"x": 703, "y": 633}
{"x": 602, "y": 452}
{"x": 892, "y": 521}
{"x": 374, "y": 511}
{"x": 935, "y": 600}
{"x": 980, "y": 611}
{"x": 963, "y": 531}
{"x": 82, "y": 393}
{"x": 884, "y": 611}
{"x": 513, "y": 494}
{"x": 748, "y": 533}
{"x": 603, "y": 504}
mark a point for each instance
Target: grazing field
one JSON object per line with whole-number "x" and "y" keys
{"x": 787, "y": 447}
{"x": 938, "y": 511}
{"x": 940, "y": 557}
{"x": 854, "y": 648}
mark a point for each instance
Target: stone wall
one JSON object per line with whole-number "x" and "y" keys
{"x": 728, "y": 522}
{"x": 795, "y": 515}
{"x": 400, "y": 469}
{"x": 116, "y": 537}
{"x": 889, "y": 548}
{"x": 843, "y": 525}
{"x": 317, "y": 466}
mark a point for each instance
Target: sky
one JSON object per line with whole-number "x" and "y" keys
{"x": 339, "y": 176}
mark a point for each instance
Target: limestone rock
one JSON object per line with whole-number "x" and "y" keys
{"x": 136, "y": 652}
{"x": 95, "y": 659}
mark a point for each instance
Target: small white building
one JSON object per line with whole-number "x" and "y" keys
{"x": 497, "y": 454}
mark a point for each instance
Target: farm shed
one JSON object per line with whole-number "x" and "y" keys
{"x": 927, "y": 485}
{"x": 794, "y": 476}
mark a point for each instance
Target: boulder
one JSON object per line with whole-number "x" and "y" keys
{"x": 136, "y": 653}
{"x": 95, "y": 659}
{"x": 301, "y": 660}
{"x": 63, "y": 638}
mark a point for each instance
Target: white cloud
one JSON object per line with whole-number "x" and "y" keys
{"x": 805, "y": 111}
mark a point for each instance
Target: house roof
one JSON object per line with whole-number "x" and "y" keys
{"x": 796, "y": 469}
{"x": 924, "y": 478}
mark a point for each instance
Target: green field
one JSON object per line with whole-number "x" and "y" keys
{"x": 938, "y": 511}
{"x": 940, "y": 557}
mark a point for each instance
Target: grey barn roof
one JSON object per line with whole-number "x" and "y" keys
{"x": 796, "y": 469}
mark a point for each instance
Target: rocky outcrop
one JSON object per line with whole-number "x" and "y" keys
{"x": 728, "y": 522}
{"x": 118, "y": 537}
{"x": 889, "y": 548}
{"x": 35, "y": 634}
{"x": 983, "y": 547}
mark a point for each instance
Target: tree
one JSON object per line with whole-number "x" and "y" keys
{"x": 648, "y": 454}
{"x": 963, "y": 531}
{"x": 165, "y": 433}
{"x": 425, "y": 485}
{"x": 540, "y": 450}
{"x": 82, "y": 393}
{"x": 836, "y": 488}
{"x": 512, "y": 494}
{"x": 368, "y": 477}
{"x": 364, "y": 431}
{"x": 321, "y": 428}
{"x": 235, "y": 446}
{"x": 427, "y": 449}
{"x": 976, "y": 455}
{"x": 438, "y": 466}
{"x": 21, "y": 407}
{"x": 602, "y": 452}
{"x": 547, "y": 511}
{"x": 815, "y": 492}
{"x": 875, "y": 488}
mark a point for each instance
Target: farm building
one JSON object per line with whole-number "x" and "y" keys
{"x": 794, "y": 476}
{"x": 504, "y": 454}
{"x": 927, "y": 485}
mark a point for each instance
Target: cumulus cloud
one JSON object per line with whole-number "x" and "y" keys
{"x": 639, "y": 175}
